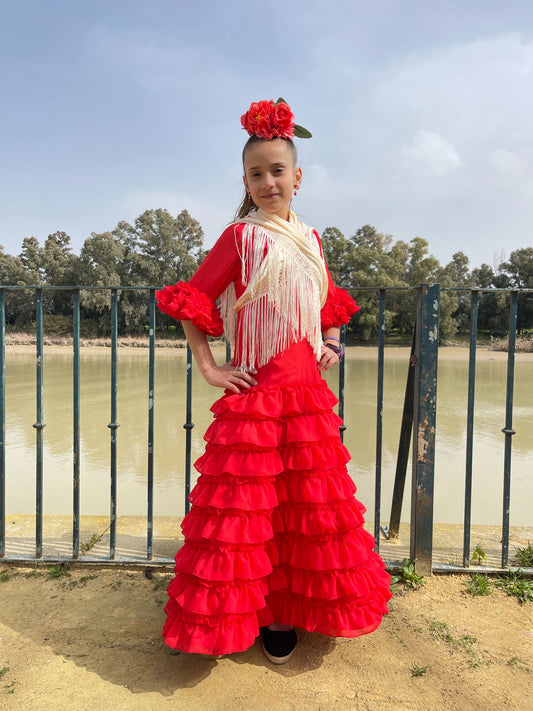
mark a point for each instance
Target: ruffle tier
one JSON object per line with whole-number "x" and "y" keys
{"x": 185, "y": 302}
{"x": 274, "y": 532}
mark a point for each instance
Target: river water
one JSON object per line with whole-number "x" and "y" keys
{"x": 169, "y": 441}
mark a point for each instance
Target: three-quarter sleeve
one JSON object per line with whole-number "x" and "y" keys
{"x": 195, "y": 300}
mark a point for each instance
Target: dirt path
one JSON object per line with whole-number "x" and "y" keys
{"x": 90, "y": 640}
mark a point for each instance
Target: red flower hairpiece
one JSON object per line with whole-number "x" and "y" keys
{"x": 269, "y": 119}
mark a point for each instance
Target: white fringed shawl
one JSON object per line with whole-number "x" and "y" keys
{"x": 286, "y": 286}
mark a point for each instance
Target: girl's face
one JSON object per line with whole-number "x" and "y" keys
{"x": 270, "y": 176}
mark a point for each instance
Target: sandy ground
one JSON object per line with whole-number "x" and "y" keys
{"x": 90, "y": 640}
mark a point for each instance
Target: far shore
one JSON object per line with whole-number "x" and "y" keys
{"x": 25, "y": 343}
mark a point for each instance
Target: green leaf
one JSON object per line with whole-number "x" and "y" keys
{"x": 302, "y": 132}
{"x": 280, "y": 101}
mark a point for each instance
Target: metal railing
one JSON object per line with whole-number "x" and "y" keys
{"x": 419, "y": 425}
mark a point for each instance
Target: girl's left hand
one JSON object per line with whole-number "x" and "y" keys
{"x": 328, "y": 358}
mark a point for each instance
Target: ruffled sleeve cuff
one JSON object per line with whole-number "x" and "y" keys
{"x": 187, "y": 303}
{"x": 338, "y": 309}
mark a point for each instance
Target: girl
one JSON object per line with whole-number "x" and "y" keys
{"x": 274, "y": 539}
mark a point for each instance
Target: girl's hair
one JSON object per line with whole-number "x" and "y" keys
{"x": 247, "y": 204}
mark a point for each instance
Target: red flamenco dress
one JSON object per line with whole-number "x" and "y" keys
{"x": 274, "y": 532}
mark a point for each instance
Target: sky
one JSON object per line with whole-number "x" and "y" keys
{"x": 421, "y": 113}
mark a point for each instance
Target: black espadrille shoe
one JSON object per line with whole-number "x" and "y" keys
{"x": 278, "y": 646}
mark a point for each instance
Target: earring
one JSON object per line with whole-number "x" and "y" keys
{"x": 296, "y": 189}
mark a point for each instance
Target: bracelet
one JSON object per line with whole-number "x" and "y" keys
{"x": 331, "y": 338}
{"x": 336, "y": 349}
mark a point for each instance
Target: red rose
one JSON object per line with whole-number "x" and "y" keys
{"x": 282, "y": 120}
{"x": 257, "y": 119}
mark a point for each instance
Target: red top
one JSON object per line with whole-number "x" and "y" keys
{"x": 195, "y": 300}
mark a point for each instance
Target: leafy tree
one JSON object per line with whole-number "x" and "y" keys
{"x": 32, "y": 260}
{"x": 163, "y": 250}
{"x": 52, "y": 264}
{"x": 101, "y": 263}
{"x": 421, "y": 267}
{"x": 373, "y": 263}
{"x": 482, "y": 277}
{"x": 58, "y": 262}
{"x": 455, "y": 305}
{"x": 59, "y": 267}
{"x": 157, "y": 249}
{"x": 19, "y": 304}
{"x": 170, "y": 247}
{"x": 519, "y": 269}
{"x": 493, "y": 310}
{"x": 337, "y": 253}
{"x": 417, "y": 267}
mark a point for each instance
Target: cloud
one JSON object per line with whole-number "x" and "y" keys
{"x": 432, "y": 153}
{"x": 439, "y": 145}
{"x": 158, "y": 63}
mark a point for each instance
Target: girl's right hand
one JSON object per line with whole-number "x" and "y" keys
{"x": 227, "y": 377}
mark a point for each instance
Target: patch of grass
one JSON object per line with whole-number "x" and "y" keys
{"x": 466, "y": 641}
{"x": 479, "y": 584}
{"x": 79, "y": 583}
{"x": 400, "y": 640}
{"x": 33, "y": 573}
{"x": 417, "y": 670}
{"x": 58, "y": 571}
{"x": 515, "y": 584}
{"x": 408, "y": 576}
{"x": 10, "y": 688}
{"x": 4, "y": 576}
{"x": 161, "y": 583}
{"x": 524, "y": 556}
{"x": 517, "y": 663}
{"x": 479, "y": 557}
{"x": 463, "y": 643}
{"x": 442, "y": 631}
{"x": 83, "y": 580}
{"x": 3, "y": 671}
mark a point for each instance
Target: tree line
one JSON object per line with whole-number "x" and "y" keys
{"x": 159, "y": 248}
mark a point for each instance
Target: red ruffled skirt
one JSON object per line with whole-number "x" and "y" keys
{"x": 274, "y": 532}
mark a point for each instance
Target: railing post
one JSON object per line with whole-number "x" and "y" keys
{"x": 508, "y": 430}
{"x": 151, "y": 409}
{"x": 2, "y": 423}
{"x": 188, "y": 426}
{"x": 113, "y": 425}
{"x": 76, "y": 424}
{"x": 342, "y": 381}
{"x": 424, "y": 421}
{"x": 39, "y": 426}
{"x": 470, "y": 428}
{"x": 404, "y": 446}
{"x": 379, "y": 419}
